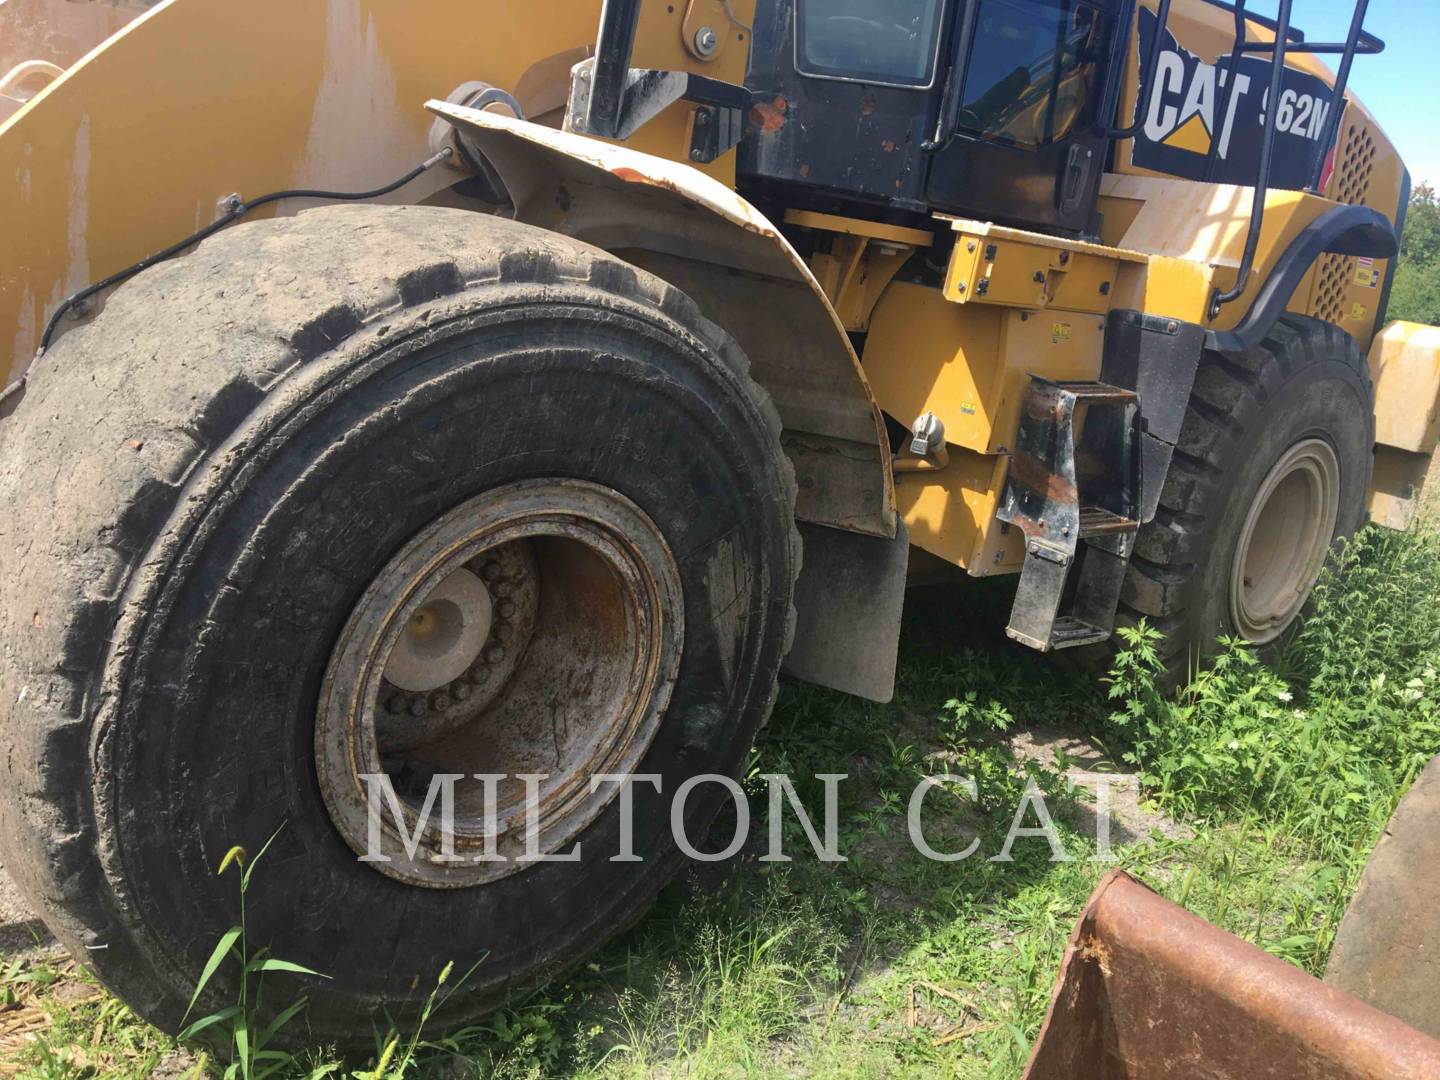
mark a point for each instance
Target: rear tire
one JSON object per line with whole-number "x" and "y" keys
{"x": 1296, "y": 413}
{"x": 207, "y": 480}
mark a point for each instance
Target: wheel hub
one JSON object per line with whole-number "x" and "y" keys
{"x": 535, "y": 630}
{"x": 444, "y": 635}
{"x": 420, "y": 698}
{"x": 1284, "y": 541}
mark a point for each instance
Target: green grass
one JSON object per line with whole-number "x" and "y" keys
{"x": 1282, "y": 780}
{"x": 85, "y": 1032}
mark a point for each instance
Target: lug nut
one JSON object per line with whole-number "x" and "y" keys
{"x": 460, "y": 691}
{"x": 490, "y": 571}
{"x": 419, "y": 708}
{"x": 494, "y": 653}
{"x": 506, "y": 608}
{"x": 503, "y": 631}
{"x": 440, "y": 702}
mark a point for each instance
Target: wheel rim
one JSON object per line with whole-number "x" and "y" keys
{"x": 535, "y": 630}
{"x": 1284, "y": 541}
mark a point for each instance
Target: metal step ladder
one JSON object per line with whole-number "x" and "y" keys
{"x": 1078, "y": 503}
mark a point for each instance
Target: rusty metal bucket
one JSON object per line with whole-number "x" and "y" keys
{"x": 1149, "y": 991}
{"x": 1387, "y": 951}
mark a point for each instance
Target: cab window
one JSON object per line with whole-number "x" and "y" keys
{"x": 1033, "y": 69}
{"x": 892, "y": 42}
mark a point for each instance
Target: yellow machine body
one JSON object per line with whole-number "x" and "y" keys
{"x": 137, "y": 144}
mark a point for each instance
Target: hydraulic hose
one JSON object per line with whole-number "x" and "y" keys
{"x": 235, "y": 210}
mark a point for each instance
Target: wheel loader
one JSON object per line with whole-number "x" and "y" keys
{"x": 513, "y": 391}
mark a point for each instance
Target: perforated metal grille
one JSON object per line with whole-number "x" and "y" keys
{"x": 1351, "y": 184}
{"x": 1331, "y": 288}
{"x": 1355, "y": 165}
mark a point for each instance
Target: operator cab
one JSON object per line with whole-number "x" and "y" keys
{"x": 995, "y": 109}
{"x": 989, "y": 108}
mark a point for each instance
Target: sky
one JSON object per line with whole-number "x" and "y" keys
{"x": 1400, "y": 87}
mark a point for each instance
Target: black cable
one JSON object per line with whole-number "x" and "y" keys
{"x": 236, "y": 211}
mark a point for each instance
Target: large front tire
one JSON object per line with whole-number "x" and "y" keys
{"x": 219, "y": 487}
{"x": 1272, "y": 468}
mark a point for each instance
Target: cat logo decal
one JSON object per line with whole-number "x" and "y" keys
{"x": 1196, "y": 127}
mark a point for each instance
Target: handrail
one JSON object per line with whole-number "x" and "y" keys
{"x": 1369, "y": 45}
{"x": 1357, "y": 40}
{"x": 1242, "y": 35}
{"x": 1337, "y": 106}
{"x": 1267, "y": 159}
{"x": 619, "y": 20}
{"x": 1293, "y": 35}
{"x": 947, "y": 123}
{"x": 1147, "y": 78}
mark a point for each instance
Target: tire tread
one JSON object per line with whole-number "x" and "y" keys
{"x": 1230, "y": 397}
{"x": 98, "y": 454}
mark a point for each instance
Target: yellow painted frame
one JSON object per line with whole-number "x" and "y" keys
{"x": 199, "y": 99}
{"x": 135, "y": 146}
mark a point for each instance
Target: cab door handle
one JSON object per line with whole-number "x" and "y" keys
{"x": 1075, "y": 178}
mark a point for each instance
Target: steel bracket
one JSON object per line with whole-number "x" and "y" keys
{"x": 647, "y": 92}
{"x": 1057, "y": 504}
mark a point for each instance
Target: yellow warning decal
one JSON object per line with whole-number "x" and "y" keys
{"x": 1060, "y": 332}
{"x": 1367, "y": 274}
{"x": 1359, "y": 312}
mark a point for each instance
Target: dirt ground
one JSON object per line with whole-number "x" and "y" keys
{"x": 1088, "y": 768}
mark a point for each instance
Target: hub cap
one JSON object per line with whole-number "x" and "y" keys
{"x": 1284, "y": 541}
{"x": 444, "y": 636}
{"x": 535, "y": 630}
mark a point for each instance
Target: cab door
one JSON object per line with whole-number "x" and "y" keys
{"x": 1021, "y": 143}
{"x": 846, "y": 95}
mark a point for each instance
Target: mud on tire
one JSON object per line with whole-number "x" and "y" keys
{"x": 199, "y": 485}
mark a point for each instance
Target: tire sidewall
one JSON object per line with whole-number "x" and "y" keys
{"x": 213, "y": 740}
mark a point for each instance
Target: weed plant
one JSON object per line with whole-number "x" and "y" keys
{"x": 1265, "y": 788}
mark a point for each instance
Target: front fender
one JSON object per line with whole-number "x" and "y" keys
{"x": 708, "y": 241}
